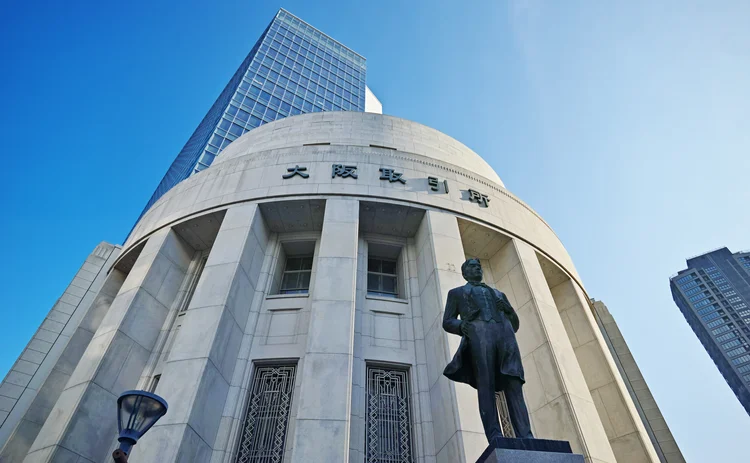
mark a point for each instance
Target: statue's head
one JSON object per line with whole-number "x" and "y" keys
{"x": 472, "y": 270}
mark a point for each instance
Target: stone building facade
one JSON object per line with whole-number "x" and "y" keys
{"x": 656, "y": 426}
{"x": 287, "y": 303}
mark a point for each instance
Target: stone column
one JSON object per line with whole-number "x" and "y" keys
{"x": 323, "y": 411}
{"x": 556, "y": 392}
{"x": 196, "y": 378}
{"x": 618, "y": 414}
{"x": 54, "y": 351}
{"x": 84, "y": 419}
{"x": 458, "y": 433}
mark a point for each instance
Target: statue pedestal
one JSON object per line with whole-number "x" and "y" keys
{"x": 507, "y": 450}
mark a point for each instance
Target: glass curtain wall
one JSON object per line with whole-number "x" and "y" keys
{"x": 292, "y": 69}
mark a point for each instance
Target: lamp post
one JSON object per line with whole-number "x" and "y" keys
{"x": 137, "y": 411}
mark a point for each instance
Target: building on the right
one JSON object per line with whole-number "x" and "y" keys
{"x": 654, "y": 422}
{"x": 713, "y": 293}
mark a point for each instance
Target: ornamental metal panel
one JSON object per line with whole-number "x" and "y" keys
{"x": 267, "y": 420}
{"x": 388, "y": 430}
{"x": 504, "y": 415}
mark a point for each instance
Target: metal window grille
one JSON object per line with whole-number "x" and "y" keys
{"x": 504, "y": 415}
{"x": 296, "y": 278}
{"x": 267, "y": 420}
{"x": 382, "y": 277}
{"x": 388, "y": 429}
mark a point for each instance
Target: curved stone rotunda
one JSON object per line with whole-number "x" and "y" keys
{"x": 287, "y": 303}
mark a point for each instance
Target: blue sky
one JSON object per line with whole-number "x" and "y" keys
{"x": 626, "y": 126}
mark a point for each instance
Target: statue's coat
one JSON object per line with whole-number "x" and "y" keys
{"x": 462, "y": 303}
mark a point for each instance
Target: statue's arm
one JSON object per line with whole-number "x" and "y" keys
{"x": 451, "y": 323}
{"x": 505, "y": 306}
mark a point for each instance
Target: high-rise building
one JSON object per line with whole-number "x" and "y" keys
{"x": 654, "y": 422}
{"x": 713, "y": 293}
{"x": 293, "y": 69}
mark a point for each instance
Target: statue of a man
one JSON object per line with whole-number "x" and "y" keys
{"x": 488, "y": 357}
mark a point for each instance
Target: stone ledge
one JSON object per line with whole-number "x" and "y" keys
{"x": 508, "y": 450}
{"x": 525, "y": 456}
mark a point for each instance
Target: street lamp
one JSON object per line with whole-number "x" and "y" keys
{"x": 137, "y": 411}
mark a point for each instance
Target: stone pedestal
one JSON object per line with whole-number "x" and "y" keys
{"x": 506, "y": 450}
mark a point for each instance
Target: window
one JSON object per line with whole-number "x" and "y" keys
{"x": 296, "y": 277}
{"x": 723, "y": 329}
{"x": 739, "y": 360}
{"x": 381, "y": 277}
{"x": 698, "y": 297}
{"x": 267, "y": 417}
{"x": 154, "y": 383}
{"x": 744, "y": 369}
{"x": 725, "y": 337}
{"x": 691, "y": 284}
{"x": 193, "y": 283}
{"x": 711, "y": 316}
{"x": 731, "y": 344}
{"x": 714, "y": 324}
{"x": 294, "y": 269}
{"x": 383, "y": 270}
{"x": 708, "y": 309}
{"x": 738, "y": 351}
{"x": 388, "y": 422}
{"x": 695, "y": 291}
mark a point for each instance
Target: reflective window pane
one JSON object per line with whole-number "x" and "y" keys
{"x": 389, "y": 284}
{"x": 373, "y": 282}
{"x": 389, "y": 267}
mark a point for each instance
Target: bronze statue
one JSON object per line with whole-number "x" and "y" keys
{"x": 488, "y": 358}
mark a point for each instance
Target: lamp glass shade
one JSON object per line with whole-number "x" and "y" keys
{"x": 137, "y": 411}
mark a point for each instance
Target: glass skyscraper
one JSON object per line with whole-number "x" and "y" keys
{"x": 713, "y": 294}
{"x": 293, "y": 68}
